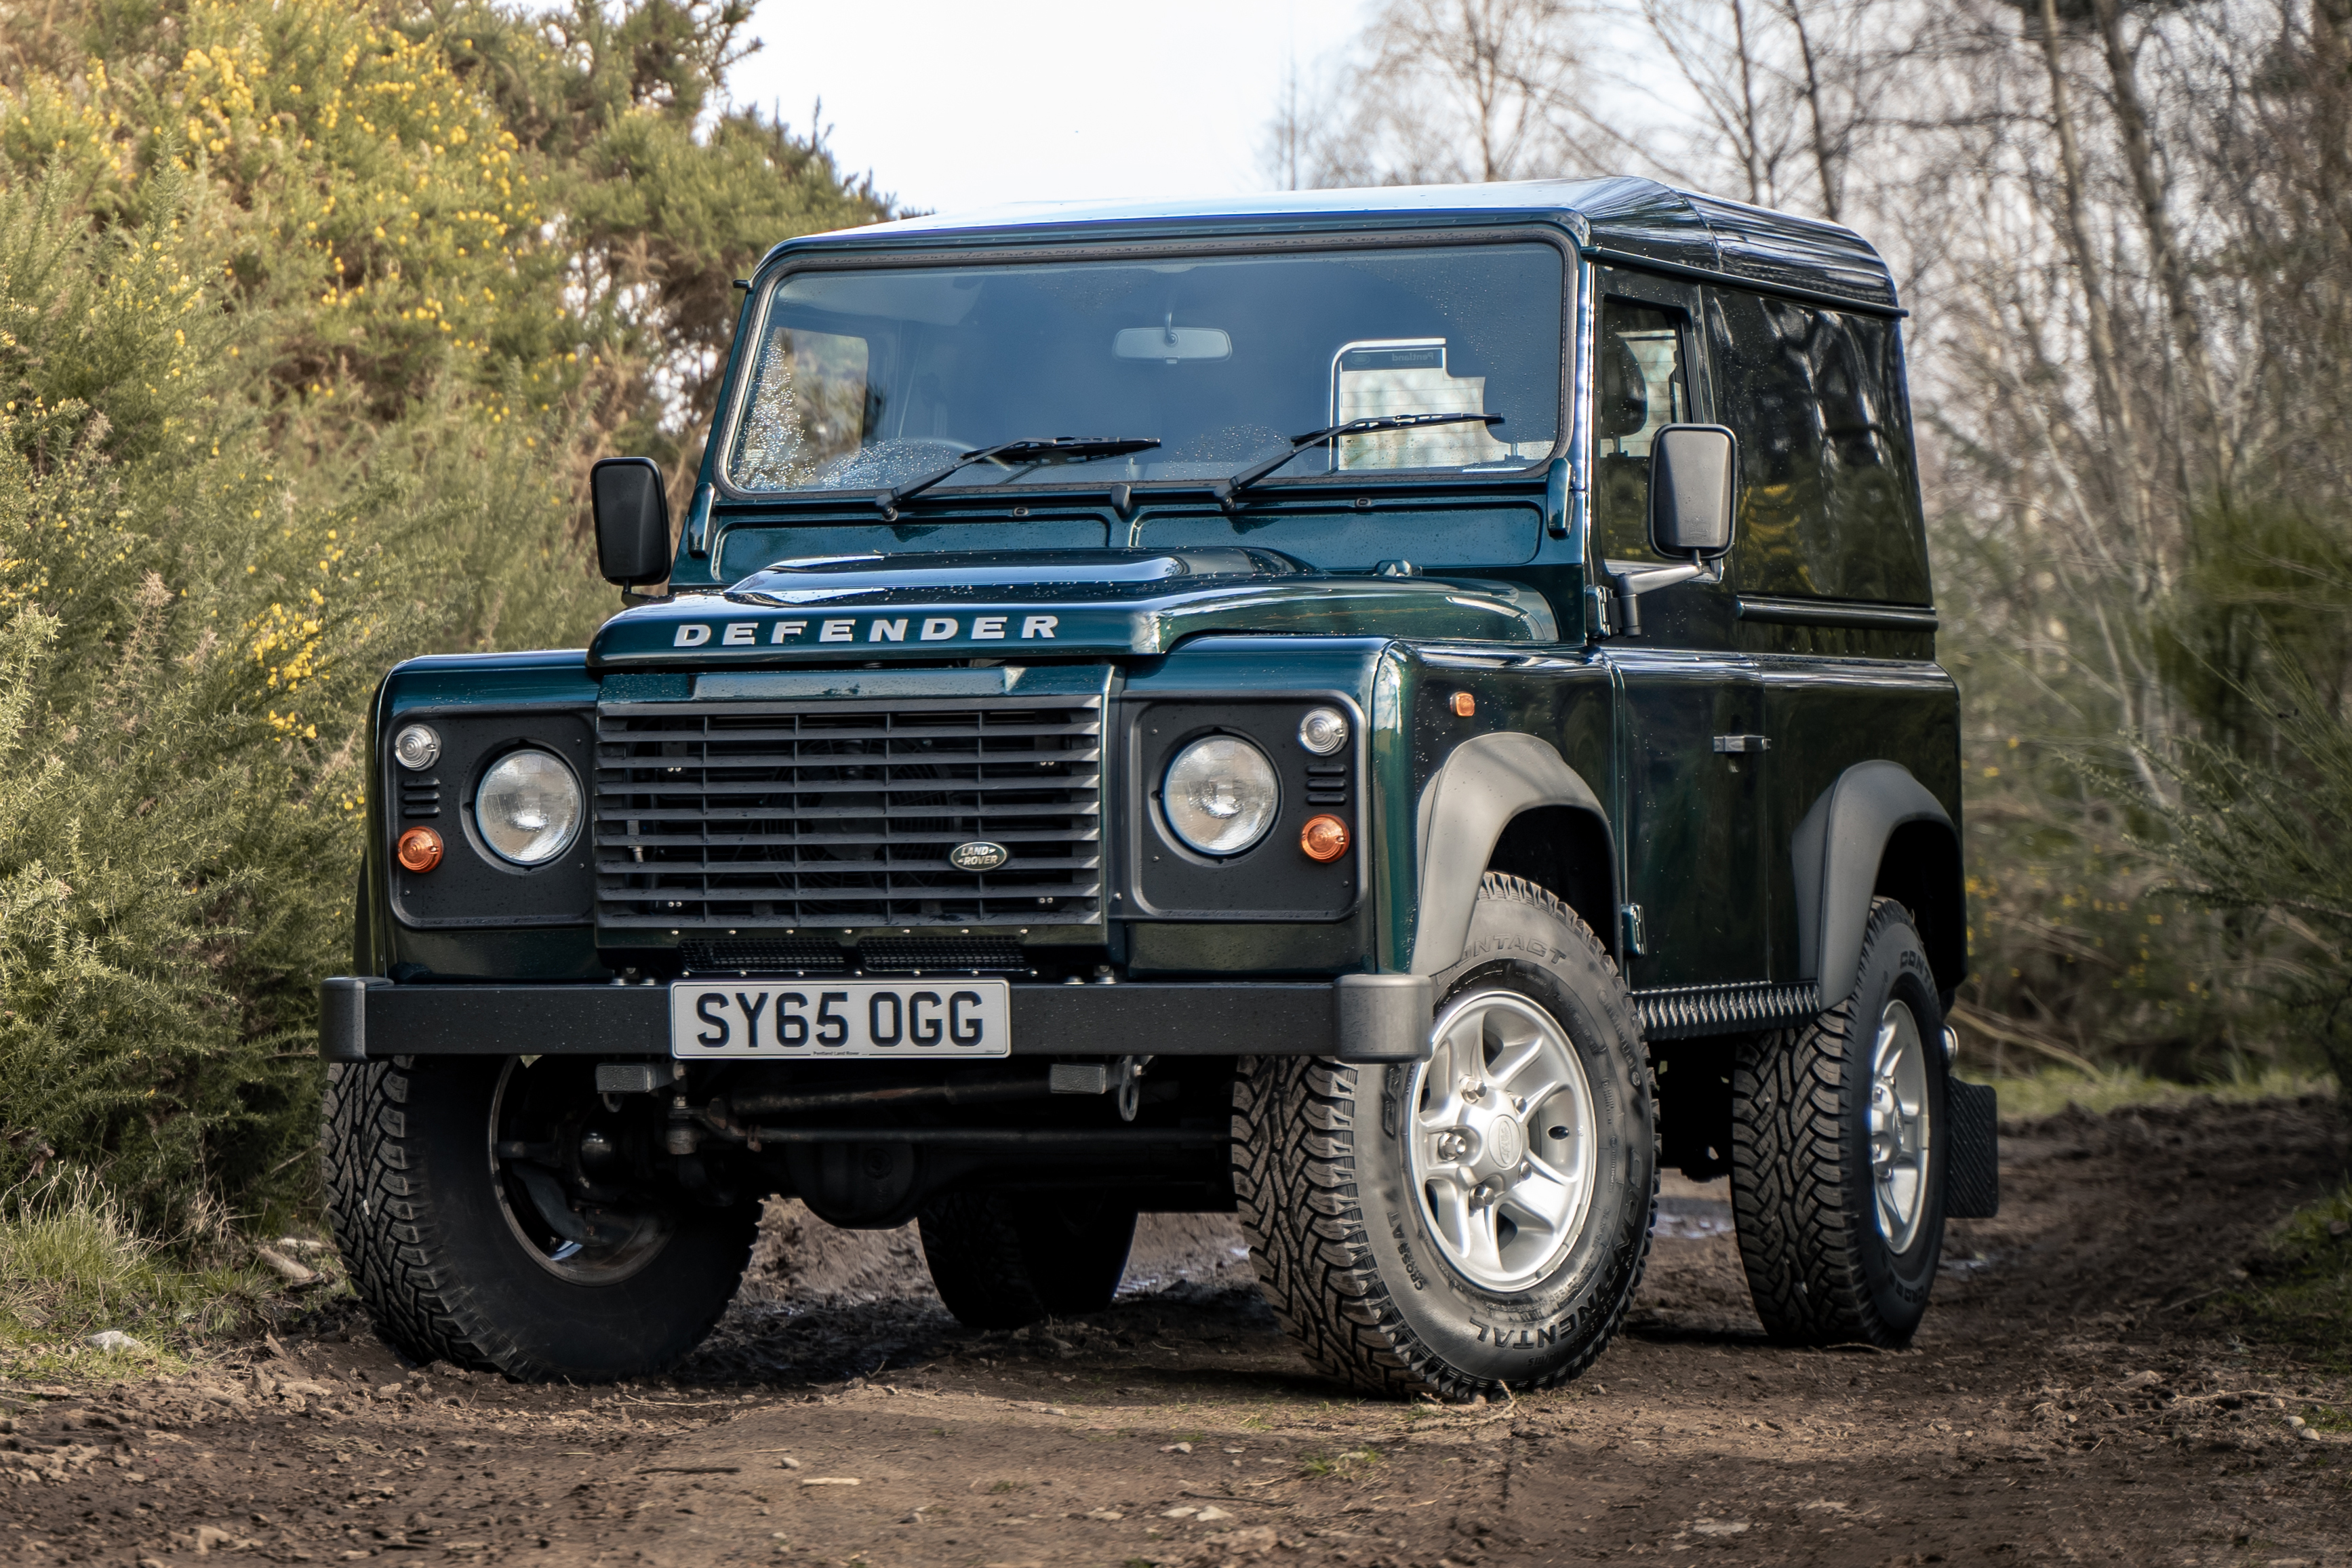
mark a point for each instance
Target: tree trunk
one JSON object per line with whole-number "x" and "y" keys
{"x": 2171, "y": 269}
{"x": 1825, "y": 159}
{"x": 2115, "y": 401}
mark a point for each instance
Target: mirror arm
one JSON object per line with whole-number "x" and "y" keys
{"x": 1631, "y": 581}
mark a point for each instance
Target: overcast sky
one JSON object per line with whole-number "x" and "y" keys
{"x": 960, "y": 105}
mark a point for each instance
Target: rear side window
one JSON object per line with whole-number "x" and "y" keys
{"x": 1640, "y": 385}
{"x": 1829, "y": 504}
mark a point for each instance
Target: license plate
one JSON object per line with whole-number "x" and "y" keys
{"x": 840, "y": 1019}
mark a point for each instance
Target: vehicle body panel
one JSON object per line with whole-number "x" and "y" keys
{"x": 1436, "y": 609}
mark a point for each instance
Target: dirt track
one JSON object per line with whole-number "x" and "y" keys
{"x": 2066, "y": 1400}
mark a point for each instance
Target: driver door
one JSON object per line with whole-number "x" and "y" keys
{"x": 1689, "y": 708}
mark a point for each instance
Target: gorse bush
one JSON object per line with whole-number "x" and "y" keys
{"x": 313, "y": 316}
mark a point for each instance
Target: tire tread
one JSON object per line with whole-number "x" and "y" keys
{"x": 381, "y": 1210}
{"x": 1295, "y": 1182}
{"x": 1797, "y": 1218}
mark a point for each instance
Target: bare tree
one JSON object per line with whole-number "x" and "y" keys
{"x": 2125, "y": 230}
{"x": 1442, "y": 93}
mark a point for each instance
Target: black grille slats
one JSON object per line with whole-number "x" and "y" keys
{"x": 732, "y": 814}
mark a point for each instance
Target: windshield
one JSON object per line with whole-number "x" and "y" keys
{"x": 866, "y": 380}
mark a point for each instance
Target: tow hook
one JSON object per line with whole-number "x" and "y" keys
{"x": 1128, "y": 1076}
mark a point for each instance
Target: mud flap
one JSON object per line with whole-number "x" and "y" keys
{"x": 1972, "y": 1165}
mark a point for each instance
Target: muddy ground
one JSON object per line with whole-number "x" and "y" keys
{"x": 2072, "y": 1396}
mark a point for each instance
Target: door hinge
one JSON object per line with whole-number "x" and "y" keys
{"x": 1743, "y": 743}
{"x": 1636, "y": 938}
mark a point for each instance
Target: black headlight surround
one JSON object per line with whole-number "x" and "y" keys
{"x": 473, "y": 886}
{"x": 1165, "y": 879}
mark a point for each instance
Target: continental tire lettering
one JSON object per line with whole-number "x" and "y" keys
{"x": 1404, "y": 1252}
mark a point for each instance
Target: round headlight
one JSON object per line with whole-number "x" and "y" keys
{"x": 528, "y": 807}
{"x": 1323, "y": 731}
{"x": 417, "y": 748}
{"x": 1221, "y": 795}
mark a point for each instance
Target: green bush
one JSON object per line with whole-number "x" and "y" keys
{"x": 313, "y": 316}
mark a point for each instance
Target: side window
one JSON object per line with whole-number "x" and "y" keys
{"x": 1639, "y": 384}
{"x": 1829, "y": 498}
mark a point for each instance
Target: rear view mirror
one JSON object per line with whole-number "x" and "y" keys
{"x": 631, "y": 508}
{"x": 1693, "y": 470}
{"x": 1171, "y": 343}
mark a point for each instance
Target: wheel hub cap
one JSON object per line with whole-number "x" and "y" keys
{"x": 1900, "y": 1135}
{"x": 1502, "y": 1154}
{"x": 1505, "y": 1141}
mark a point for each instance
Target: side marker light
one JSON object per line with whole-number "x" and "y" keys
{"x": 1325, "y": 838}
{"x": 1464, "y": 705}
{"x": 419, "y": 849}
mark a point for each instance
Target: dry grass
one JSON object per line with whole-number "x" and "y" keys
{"x": 2031, "y": 1096}
{"x": 73, "y": 1265}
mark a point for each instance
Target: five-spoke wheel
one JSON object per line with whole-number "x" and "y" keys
{"x": 1899, "y": 1128}
{"x": 1501, "y": 1151}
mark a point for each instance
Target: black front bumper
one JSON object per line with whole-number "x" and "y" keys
{"x": 1356, "y": 1017}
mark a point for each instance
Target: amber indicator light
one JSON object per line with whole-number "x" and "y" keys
{"x": 1465, "y": 704}
{"x": 419, "y": 849}
{"x": 1325, "y": 838}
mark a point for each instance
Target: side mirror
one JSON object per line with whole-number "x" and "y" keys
{"x": 1693, "y": 473}
{"x": 632, "y": 509}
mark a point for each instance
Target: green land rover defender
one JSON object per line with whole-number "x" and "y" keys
{"x": 1394, "y": 714}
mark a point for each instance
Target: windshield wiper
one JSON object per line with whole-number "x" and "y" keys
{"x": 1011, "y": 451}
{"x": 1226, "y": 489}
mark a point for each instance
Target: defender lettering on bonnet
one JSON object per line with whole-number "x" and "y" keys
{"x": 849, "y": 629}
{"x": 1006, "y": 829}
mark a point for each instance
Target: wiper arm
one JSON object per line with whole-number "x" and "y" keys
{"x": 1062, "y": 446}
{"x": 1226, "y": 489}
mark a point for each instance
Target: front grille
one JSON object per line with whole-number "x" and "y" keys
{"x": 778, "y": 955}
{"x": 914, "y": 956}
{"x": 843, "y": 814}
{"x": 874, "y": 956}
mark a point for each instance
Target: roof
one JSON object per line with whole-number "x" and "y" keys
{"x": 1625, "y": 216}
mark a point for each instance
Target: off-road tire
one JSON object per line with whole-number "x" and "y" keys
{"x": 1342, "y": 1250}
{"x": 1001, "y": 1259}
{"x": 1818, "y": 1269}
{"x": 410, "y": 1197}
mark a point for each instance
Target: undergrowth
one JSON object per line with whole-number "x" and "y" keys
{"x": 74, "y": 1264}
{"x": 2032, "y": 1096}
{"x": 2301, "y": 1294}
